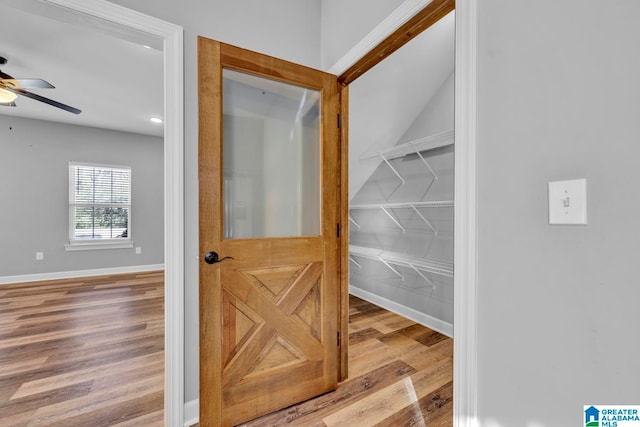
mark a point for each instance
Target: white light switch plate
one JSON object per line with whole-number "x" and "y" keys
{"x": 568, "y": 202}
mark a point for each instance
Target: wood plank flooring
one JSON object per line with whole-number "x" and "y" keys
{"x": 400, "y": 374}
{"x": 83, "y": 352}
{"x": 89, "y": 352}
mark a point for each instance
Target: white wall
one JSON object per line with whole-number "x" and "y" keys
{"x": 345, "y": 23}
{"x": 34, "y": 177}
{"x": 436, "y": 117}
{"x": 558, "y": 305}
{"x": 289, "y": 29}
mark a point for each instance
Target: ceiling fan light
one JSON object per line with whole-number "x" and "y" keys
{"x": 7, "y": 97}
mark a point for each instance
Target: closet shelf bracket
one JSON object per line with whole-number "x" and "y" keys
{"x": 393, "y": 219}
{"x": 425, "y": 278}
{"x": 426, "y": 221}
{"x": 392, "y": 168}
{"x": 354, "y": 222}
{"x": 355, "y": 262}
{"x": 391, "y": 267}
{"x": 435, "y": 176}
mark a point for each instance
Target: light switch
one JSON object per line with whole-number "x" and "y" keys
{"x": 568, "y": 202}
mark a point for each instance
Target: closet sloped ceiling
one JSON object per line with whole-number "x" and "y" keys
{"x": 386, "y": 101}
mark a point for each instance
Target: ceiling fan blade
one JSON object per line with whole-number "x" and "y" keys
{"x": 28, "y": 83}
{"x": 45, "y": 100}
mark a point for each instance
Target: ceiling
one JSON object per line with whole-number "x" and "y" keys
{"x": 113, "y": 74}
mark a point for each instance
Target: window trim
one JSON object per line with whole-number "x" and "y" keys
{"x": 71, "y": 247}
{"x": 95, "y": 244}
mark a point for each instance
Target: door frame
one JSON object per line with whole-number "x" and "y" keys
{"x": 389, "y": 35}
{"x": 465, "y": 301}
{"x": 172, "y": 36}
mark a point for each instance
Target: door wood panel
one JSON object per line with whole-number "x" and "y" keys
{"x": 270, "y": 314}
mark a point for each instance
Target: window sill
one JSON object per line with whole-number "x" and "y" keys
{"x": 92, "y": 246}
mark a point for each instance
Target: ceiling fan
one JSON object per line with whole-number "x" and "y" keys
{"x": 10, "y": 88}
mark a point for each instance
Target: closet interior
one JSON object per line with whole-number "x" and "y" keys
{"x": 401, "y": 181}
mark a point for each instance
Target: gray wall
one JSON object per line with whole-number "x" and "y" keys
{"x": 558, "y": 305}
{"x": 289, "y": 29}
{"x": 378, "y": 231}
{"x": 34, "y": 177}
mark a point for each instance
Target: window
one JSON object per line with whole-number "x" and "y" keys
{"x": 99, "y": 206}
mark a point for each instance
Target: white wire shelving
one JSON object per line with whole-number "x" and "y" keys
{"x": 415, "y": 206}
{"x": 391, "y": 259}
{"x": 430, "y": 142}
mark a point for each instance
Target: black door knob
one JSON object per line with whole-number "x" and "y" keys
{"x": 213, "y": 257}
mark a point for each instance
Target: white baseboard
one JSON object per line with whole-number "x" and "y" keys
{"x": 430, "y": 322}
{"x": 191, "y": 412}
{"x": 79, "y": 273}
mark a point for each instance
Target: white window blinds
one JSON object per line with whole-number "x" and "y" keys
{"x": 99, "y": 203}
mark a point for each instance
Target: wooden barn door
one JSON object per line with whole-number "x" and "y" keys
{"x": 269, "y": 175}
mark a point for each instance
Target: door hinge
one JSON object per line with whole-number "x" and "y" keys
{"x": 338, "y": 230}
{"x": 338, "y": 339}
{"x": 339, "y": 121}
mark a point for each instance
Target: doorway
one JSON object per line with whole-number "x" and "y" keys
{"x": 465, "y": 216}
{"x": 101, "y": 13}
{"x": 401, "y": 170}
{"x": 402, "y": 211}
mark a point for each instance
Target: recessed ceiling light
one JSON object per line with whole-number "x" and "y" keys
{"x": 156, "y": 120}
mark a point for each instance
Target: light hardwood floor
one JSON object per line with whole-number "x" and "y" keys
{"x": 89, "y": 352}
{"x": 83, "y": 352}
{"x": 400, "y": 374}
